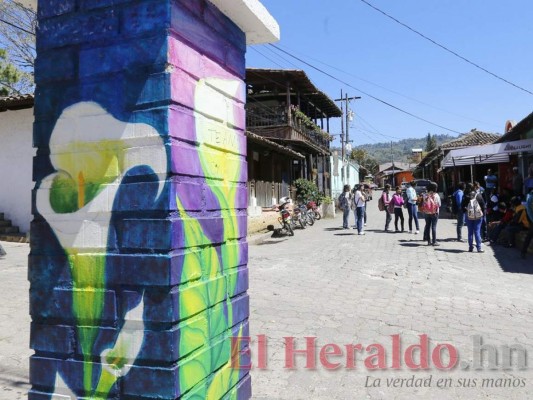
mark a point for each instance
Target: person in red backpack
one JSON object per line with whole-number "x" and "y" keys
{"x": 386, "y": 198}
{"x": 430, "y": 206}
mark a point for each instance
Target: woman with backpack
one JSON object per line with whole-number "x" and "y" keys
{"x": 474, "y": 208}
{"x": 384, "y": 202}
{"x": 345, "y": 201}
{"x": 430, "y": 207}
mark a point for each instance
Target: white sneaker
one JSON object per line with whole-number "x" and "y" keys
{"x": 365, "y": 224}
{"x": 410, "y": 231}
{"x": 416, "y": 232}
{"x": 361, "y": 233}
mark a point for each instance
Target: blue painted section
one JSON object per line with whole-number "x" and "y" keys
{"x": 114, "y": 53}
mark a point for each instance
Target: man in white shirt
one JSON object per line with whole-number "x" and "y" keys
{"x": 412, "y": 208}
{"x": 359, "y": 205}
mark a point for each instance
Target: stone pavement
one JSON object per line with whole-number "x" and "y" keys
{"x": 349, "y": 289}
{"x": 14, "y": 322}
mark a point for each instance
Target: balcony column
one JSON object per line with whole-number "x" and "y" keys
{"x": 138, "y": 263}
{"x": 288, "y": 101}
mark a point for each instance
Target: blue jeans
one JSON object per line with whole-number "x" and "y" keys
{"x": 460, "y": 224}
{"x": 484, "y": 229}
{"x": 412, "y": 210}
{"x": 388, "y": 219}
{"x": 431, "y": 227}
{"x": 359, "y": 218}
{"x": 345, "y": 216}
{"x": 474, "y": 230}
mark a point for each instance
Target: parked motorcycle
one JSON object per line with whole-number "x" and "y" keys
{"x": 312, "y": 206}
{"x": 307, "y": 214}
{"x": 285, "y": 220}
{"x": 299, "y": 218}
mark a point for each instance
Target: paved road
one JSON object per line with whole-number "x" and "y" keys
{"x": 349, "y": 289}
{"x": 14, "y": 322}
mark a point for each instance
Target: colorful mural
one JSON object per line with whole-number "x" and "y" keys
{"x": 138, "y": 256}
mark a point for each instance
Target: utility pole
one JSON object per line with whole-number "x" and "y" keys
{"x": 343, "y": 176}
{"x": 346, "y": 113}
{"x": 392, "y": 162}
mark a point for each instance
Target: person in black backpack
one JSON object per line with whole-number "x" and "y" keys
{"x": 457, "y": 198}
{"x": 474, "y": 208}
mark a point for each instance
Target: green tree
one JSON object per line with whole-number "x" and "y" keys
{"x": 17, "y": 38}
{"x": 431, "y": 142}
{"x": 359, "y": 155}
{"x": 362, "y": 158}
{"x": 9, "y": 75}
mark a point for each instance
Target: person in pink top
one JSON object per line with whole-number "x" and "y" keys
{"x": 385, "y": 196}
{"x": 397, "y": 202}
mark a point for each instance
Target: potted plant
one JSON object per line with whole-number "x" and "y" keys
{"x": 328, "y": 207}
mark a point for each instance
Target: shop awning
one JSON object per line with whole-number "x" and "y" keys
{"x": 486, "y": 154}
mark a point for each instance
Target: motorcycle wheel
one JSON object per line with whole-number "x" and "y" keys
{"x": 288, "y": 228}
{"x": 317, "y": 215}
{"x": 310, "y": 219}
{"x": 302, "y": 223}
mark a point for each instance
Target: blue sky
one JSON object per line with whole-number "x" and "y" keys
{"x": 385, "y": 60}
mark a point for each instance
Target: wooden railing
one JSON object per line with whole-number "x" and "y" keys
{"x": 265, "y": 192}
{"x": 263, "y": 118}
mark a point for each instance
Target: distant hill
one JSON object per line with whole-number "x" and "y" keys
{"x": 401, "y": 150}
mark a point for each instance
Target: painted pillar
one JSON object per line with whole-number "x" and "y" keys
{"x": 138, "y": 263}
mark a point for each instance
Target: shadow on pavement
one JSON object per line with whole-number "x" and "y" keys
{"x": 345, "y": 234}
{"x": 269, "y": 241}
{"x": 456, "y": 251}
{"x": 412, "y": 244}
{"x": 333, "y": 229}
{"x": 447, "y": 240}
{"x": 510, "y": 260}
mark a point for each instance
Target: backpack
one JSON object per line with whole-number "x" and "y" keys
{"x": 429, "y": 206}
{"x": 455, "y": 206}
{"x": 473, "y": 209}
{"x": 381, "y": 204}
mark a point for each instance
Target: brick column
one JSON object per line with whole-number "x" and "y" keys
{"x": 138, "y": 263}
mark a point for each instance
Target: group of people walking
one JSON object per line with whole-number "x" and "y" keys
{"x": 485, "y": 216}
{"x": 429, "y": 203}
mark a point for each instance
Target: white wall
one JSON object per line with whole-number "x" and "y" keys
{"x": 336, "y": 179}
{"x": 16, "y": 160}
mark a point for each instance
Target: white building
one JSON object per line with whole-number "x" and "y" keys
{"x": 16, "y": 159}
{"x": 342, "y": 173}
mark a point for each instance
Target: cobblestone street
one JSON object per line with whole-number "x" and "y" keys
{"x": 347, "y": 289}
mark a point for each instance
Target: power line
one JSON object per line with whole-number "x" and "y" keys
{"x": 365, "y": 93}
{"x": 389, "y": 90}
{"x": 16, "y": 27}
{"x": 446, "y": 48}
{"x": 268, "y": 58}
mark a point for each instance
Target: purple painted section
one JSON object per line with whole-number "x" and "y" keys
{"x": 142, "y": 61}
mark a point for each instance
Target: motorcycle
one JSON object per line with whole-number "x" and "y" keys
{"x": 307, "y": 214}
{"x": 285, "y": 220}
{"x": 312, "y": 207}
{"x": 299, "y": 218}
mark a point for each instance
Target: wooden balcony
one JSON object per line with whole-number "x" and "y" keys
{"x": 289, "y": 129}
